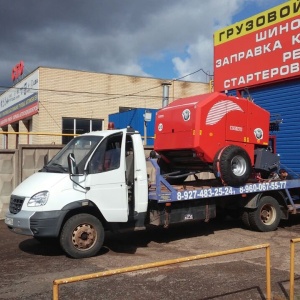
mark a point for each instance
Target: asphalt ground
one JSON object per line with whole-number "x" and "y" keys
{"x": 28, "y": 268}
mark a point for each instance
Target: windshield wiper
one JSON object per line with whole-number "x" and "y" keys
{"x": 60, "y": 167}
{"x": 54, "y": 167}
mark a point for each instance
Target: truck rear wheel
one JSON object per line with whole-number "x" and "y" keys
{"x": 233, "y": 165}
{"x": 266, "y": 216}
{"x": 82, "y": 236}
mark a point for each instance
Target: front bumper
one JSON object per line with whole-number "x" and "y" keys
{"x": 19, "y": 223}
{"x": 39, "y": 224}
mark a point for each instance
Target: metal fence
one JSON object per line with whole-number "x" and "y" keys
{"x": 58, "y": 282}
{"x": 292, "y": 267}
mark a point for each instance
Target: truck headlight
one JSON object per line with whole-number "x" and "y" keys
{"x": 39, "y": 199}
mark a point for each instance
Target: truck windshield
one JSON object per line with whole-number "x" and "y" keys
{"x": 81, "y": 146}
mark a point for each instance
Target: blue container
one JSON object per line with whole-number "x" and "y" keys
{"x": 135, "y": 118}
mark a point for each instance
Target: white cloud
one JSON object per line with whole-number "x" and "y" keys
{"x": 199, "y": 53}
{"x": 200, "y": 56}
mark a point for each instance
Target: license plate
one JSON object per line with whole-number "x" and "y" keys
{"x": 9, "y": 221}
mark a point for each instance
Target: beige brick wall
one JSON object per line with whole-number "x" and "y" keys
{"x": 79, "y": 94}
{"x": 12, "y": 138}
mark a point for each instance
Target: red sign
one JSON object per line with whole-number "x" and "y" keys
{"x": 20, "y": 114}
{"x": 258, "y": 50}
{"x": 17, "y": 70}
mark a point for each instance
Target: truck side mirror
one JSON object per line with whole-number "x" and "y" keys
{"x": 72, "y": 164}
{"x": 46, "y": 160}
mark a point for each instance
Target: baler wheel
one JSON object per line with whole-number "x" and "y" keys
{"x": 232, "y": 165}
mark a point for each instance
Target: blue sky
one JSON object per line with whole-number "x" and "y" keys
{"x": 165, "y": 39}
{"x": 251, "y": 8}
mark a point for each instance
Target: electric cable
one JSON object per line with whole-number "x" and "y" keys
{"x": 114, "y": 96}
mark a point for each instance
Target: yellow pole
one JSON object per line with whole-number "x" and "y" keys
{"x": 268, "y": 272}
{"x": 55, "y": 291}
{"x": 39, "y": 133}
{"x": 292, "y": 269}
{"x": 55, "y": 134}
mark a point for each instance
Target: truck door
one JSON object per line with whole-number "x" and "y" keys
{"x": 106, "y": 178}
{"x": 140, "y": 176}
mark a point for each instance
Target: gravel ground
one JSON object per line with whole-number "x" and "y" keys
{"x": 28, "y": 268}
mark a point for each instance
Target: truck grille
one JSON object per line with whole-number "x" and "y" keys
{"x": 15, "y": 204}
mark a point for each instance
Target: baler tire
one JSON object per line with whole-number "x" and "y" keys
{"x": 266, "y": 216}
{"x": 82, "y": 236}
{"x": 232, "y": 165}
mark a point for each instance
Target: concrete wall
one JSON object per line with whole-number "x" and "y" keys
{"x": 16, "y": 165}
{"x": 8, "y": 175}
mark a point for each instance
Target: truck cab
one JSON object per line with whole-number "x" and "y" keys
{"x": 96, "y": 180}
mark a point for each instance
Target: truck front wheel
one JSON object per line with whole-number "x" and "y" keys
{"x": 82, "y": 236}
{"x": 266, "y": 216}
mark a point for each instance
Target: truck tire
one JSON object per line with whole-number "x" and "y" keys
{"x": 232, "y": 165}
{"x": 245, "y": 219}
{"x": 82, "y": 236}
{"x": 166, "y": 168}
{"x": 266, "y": 216}
{"x": 176, "y": 181}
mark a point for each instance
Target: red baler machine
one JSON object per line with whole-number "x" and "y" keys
{"x": 214, "y": 132}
